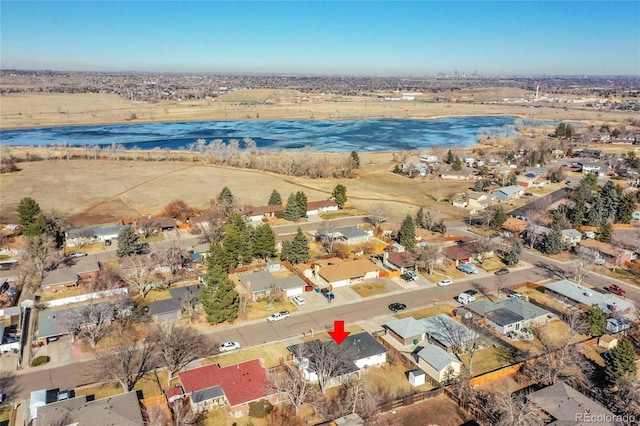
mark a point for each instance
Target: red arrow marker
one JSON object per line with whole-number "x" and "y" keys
{"x": 338, "y": 334}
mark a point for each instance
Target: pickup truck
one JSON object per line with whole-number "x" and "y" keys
{"x": 616, "y": 290}
{"x": 278, "y": 316}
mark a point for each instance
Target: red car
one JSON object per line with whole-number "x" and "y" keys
{"x": 616, "y": 290}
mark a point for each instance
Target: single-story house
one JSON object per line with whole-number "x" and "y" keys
{"x": 361, "y": 351}
{"x": 322, "y": 206}
{"x": 565, "y": 405}
{"x": 121, "y": 410}
{"x": 257, "y": 214}
{"x": 458, "y": 254}
{"x": 429, "y": 158}
{"x": 574, "y": 294}
{"x": 170, "y": 309}
{"x": 400, "y": 260}
{"x": 234, "y": 386}
{"x": 347, "y": 273}
{"x": 439, "y": 364}
{"x": 571, "y": 236}
{"x": 262, "y": 283}
{"x": 65, "y": 278}
{"x": 440, "y": 329}
{"x": 592, "y": 168}
{"x": 465, "y": 174}
{"x": 607, "y": 252}
{"x": 515, "y": 226}
{"x": 538, "y": 171}
{"x": 531, "y": 180}
{"x": 153, "y": 225}
{"x": 54, "y": 323}
{"x": 508, "y": 315}
{"x": 508, "y": 192}
{"x": 477, "y": 201}
{"x": 351, "y": 235}
{"x": 92, "y": 234}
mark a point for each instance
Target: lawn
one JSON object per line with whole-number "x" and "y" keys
{"x": 63, "y": 294}
{"x": 157, "y": 294}
{"x": 220, "y": 417}
{"x": 393, "y": 379}
{"x": 261, "y": 309}
{"x": 270, "y": 353}
{"x": 152, "y": 238}
{"x": 427, "y": 312}
{"x": 487, "y": 359}
{"x": 343, "y": 213}
{"x": 323, "y": 335}
{"x": 492, "y": 264}
{"x": 371, "y": 288}
{"x": 437, "y": 411}
{"x": 151, "y": 385}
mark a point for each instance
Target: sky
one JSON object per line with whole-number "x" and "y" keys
{"x": 379, "y": 38}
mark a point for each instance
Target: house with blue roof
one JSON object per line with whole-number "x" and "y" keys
{"x": 510, "y": 192}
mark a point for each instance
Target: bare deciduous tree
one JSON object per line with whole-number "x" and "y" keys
{"x": 178, "y": 346}
{"x": 127, "y": 363}
{"x": 139, "y": 276}
{"x": 327, "y": 359}
{"x": 377, "y": 214}
{"x": 90, "y": 322}
{"x": 512, "y": 410}
{"x": 171, "y": 255}
{"x": 291, "y": 384}
{"x": 584, "y": 258}
{"x": 427, "y": 257}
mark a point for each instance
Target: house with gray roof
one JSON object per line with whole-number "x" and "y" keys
{"x": 440, "y": 329}
{"x": 573, "y": 294}
{"x": 91, "y": 234}
{"x": 508, "y": 192}
{"x": 67, "y": 277}
{"x": 566, "y": 406}
{"x": 121, "y": 410}
{"x": 263, "y": 283}
{"x": 54, "y": 323}
{"x": 571, "y": 237}
{"x": 439, "y": 364}
{"x": 170, "y": 309}
{"x": 351, "y": 235}
{"x": 509, "y": 315}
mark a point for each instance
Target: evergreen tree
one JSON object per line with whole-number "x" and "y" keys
{"x": 626, "y": 207}
{"x": 285, "y": 252}
{"x": 513, "y": 179}
{"x": 605, "y": 233}
{"x": 407, "y": 233}
{"x": 355, "y": 158}
{"x": 219, "y": 297}
{"x": 512, "y": 257}
{"x": 128, "y": 242}
{"x": 215, "y": 257}
{"x": 298, "y": 250}
{"x": 498, "y": 219}
{"x": 275, "y": 199}
{"x": 563, "y": 131}
{"x": 478, "y": 186}
{"x": 263, "y": 241}
{"x": 579, "y": 210}
{"x": 339, "y": 195}
{"x": 622, "y": 362}
{"x": 596, "y": 321}
{"x": 610, "y": 200}
{"x": 236, "y": 243}
{"x": 596, "y": 215}
{"x": 301, "y": 203}
{"x": 30, "y": 217}
{"x": 588, "y": 186}
{"x": 552, "y": 241}
{"x": 225, "y": 196}
{"x": 457, "y": 164}
{"x": 291, "y": 211}
{"x": 450, "y": 157}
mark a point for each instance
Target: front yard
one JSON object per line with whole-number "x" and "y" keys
{"x": 151, "y": 385}
{"x": 370, "y": 288}
{"x": 261, "y": 309}
{"x": 427, "y": 312}
{"x": 270, "y": 353}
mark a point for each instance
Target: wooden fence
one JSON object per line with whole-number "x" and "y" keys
{"x": 406, "y": 401}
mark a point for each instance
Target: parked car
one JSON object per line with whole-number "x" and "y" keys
{"x": 502, "y": 271}
{"x": 444, "y": 283}
{"x": 278, "y": 316}
{"x": 298, "y": 300}
{"x": 409, "y": 276}
{"x": 396, "y": 306}
{"x": 465, "y": 298}
{"x": 616, "y": 290}
{"x": 467, "y": 268}
{"x": 78, "y": 254}
{"x": 229, "y": 346}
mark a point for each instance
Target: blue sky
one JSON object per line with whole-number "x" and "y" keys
{"x": 357, "y": 38}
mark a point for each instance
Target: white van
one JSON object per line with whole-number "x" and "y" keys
{"x": 465, "y": 298}
{"x": 635, "y": 215}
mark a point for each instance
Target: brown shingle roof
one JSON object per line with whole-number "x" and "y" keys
{"x": 347, "y": 270}
{"x": 401, "y": 259}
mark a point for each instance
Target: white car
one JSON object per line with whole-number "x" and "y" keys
{"x": 229, "y": 346}
{"x": 298, "y": 300}
{"x": 444, "y": 283}
{"x": 278, "y": 316}
{"x": 78, "y": 254}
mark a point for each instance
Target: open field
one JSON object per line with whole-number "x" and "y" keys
{"x": 49, "y": 109}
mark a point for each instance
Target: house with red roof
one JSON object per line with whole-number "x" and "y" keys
{"x": 234, "y": 386}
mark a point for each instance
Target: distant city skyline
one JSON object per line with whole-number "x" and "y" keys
{"x": 382, "y": 38}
